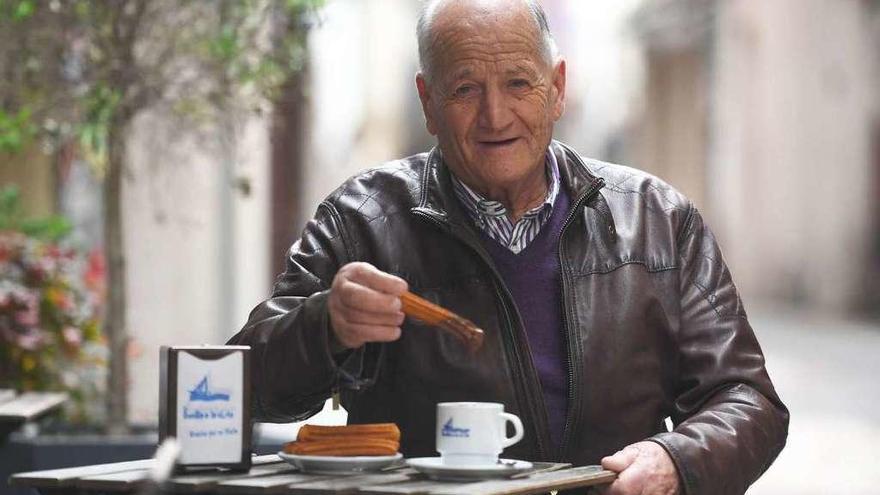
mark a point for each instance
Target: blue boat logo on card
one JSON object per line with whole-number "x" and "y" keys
{"x": 207, "y": 404}
{"x": 204, "y": 394}
{"x": 449, "y": 430}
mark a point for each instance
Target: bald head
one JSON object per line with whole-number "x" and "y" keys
{"x": 437, "y": 15}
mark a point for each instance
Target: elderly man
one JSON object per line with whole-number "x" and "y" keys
{"x": 603, "y": 296}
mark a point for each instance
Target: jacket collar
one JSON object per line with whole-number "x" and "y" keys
{"x": 437, "y": 197}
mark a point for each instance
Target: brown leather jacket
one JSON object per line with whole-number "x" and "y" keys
{"x": 655, "y": 327}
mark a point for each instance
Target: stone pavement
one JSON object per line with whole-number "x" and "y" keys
{"x": 827, "y": 372}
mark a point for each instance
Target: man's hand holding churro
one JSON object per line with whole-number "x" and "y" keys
{"x": 369, "y": 305}
{"x": 365, "y": 305}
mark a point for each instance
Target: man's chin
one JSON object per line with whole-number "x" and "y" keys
{"x": 505, "y": 172}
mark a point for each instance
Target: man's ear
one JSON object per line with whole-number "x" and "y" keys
{"x": 425, "y": 97}
{"x": 558, "y": 91}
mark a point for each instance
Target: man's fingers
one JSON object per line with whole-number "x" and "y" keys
{"x": 389, "y": 319}
{"x": 365, "y": 306}
{"x": 357, "y": 297}
{"x": 370, "y": 276}
{"x": 621, "y": 460}
{"x": 644, "y": 468}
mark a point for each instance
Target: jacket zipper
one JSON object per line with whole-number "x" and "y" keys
{"x": 541, "y": 429}
{"x": 597, "y": 184}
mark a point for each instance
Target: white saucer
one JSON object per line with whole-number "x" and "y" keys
{"x": 340, "y": 464}
{"x": 434, "y": 468}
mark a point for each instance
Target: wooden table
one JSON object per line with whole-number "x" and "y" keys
{"x": 271, "y": 475}
{"x": 15, "y": 410}
{"x": 29, "y": 405}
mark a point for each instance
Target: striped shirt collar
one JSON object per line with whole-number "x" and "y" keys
{"x": 491, "y": 216}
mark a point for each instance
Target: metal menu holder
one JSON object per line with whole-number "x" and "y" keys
{"x": 204, "y": 402}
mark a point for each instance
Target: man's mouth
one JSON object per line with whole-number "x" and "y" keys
{"x": 497, "y": 143}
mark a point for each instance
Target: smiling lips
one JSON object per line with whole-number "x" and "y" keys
{"x": 496, "y": 143}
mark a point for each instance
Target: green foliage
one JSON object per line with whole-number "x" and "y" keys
{"x": 113, "y": 59}
{"x": 233, "y": 46}
{"x": 100, "y": 104}
{"x": 16, "y": 130}
{"x": 24, "y": 10}
{"x": 51, "y": 228}
{"x": 17, "y": 11}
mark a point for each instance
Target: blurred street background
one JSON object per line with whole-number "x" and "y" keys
{"x": 765, "y": 112}
{"x": 826, "y": 371}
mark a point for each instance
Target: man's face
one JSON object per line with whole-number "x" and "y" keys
{"x": 492, "y": 98}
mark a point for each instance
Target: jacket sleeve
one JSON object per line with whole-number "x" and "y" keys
{"x": 729, "y": 422}
{"x": 293, "y": 370}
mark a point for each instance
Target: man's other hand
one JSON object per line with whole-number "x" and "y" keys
{"x": 643, "y": 468}
{"x": 364, "y": 305}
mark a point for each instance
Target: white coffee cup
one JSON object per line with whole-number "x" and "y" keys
{"x": 474, "y": 433}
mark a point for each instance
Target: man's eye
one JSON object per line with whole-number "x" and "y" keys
{"x": 519, "y": 84}
{"x": 464, "y": 91}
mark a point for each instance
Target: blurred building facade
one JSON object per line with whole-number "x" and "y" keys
{"x": 196, "y": 217}
{"x": 766, "y": 114}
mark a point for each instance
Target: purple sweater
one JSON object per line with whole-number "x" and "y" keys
{"x": 533, "y": 278}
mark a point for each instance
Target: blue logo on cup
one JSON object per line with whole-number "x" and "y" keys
{"x": 449, "y": 430}
{"x": 202, "y": 393}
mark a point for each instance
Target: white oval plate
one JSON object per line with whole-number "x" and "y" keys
{"x": 434, "y": 468}
{"x": 339, "y": 464}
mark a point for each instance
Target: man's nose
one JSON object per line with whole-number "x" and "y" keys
{"x": 495, "y": 111}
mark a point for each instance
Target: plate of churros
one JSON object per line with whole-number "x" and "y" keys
{"x": 352, "y": 448}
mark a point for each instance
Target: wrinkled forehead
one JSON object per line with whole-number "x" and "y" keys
{"x": 496, "y": 38}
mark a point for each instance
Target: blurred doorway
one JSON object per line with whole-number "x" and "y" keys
{"x": 673, "y": 133}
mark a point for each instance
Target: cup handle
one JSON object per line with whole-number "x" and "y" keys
{"x": 517, "y": 425}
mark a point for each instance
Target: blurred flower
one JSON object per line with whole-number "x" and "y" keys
{"x": 72, "y": 337}
{"x": 95, "y": 273}
{"x": 50, "y": 305}
{"x": 31, "y": 339}
{"x": 59, "y": 298}
{"x": 28, "y": 315}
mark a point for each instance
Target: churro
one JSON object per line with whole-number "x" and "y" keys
{"x": 374, "y": 439}
{"x": 343, "y": 447}
{"x": 432, "y": 314}
{"x": 387, "y": 431}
